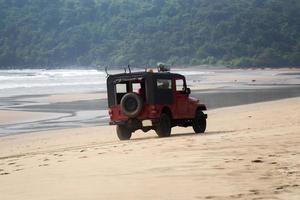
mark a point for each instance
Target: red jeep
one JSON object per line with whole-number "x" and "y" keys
{"x": 148, "y": 100}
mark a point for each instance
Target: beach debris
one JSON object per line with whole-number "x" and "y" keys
{"x": 282, "y": 187}
{"x": 209, "y": 197}
{"x": 257, "y": 161}
{"x": 82, "y": 157}
{"x": 43, "y": 165}
{"x": 255, "y": 192}
{"x": 12, "y": 163}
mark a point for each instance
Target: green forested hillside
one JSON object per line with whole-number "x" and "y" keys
{"x": 143, "y": 32}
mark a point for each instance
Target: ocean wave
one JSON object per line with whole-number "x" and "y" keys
{"x": 31, "y": 78}
{"x": 32, "y": 85}
{"x": 31, "y": 74}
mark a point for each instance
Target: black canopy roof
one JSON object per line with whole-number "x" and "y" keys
{"x": 137, "y": 75}
{"x": 153, "y": 94}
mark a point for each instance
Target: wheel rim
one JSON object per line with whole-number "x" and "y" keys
{"x": 130, "y": 104}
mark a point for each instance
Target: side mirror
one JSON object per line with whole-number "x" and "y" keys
{"x": 188, "y": 91}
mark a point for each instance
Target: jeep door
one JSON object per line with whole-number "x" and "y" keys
{"x": 181, "y": 98}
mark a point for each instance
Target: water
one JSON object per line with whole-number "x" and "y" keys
{"x": 41, "y": 81}
{"x": 35, "y": 82}
{"x": 233, "y": 97}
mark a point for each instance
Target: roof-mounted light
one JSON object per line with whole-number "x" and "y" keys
{"x": 162, "y": 67}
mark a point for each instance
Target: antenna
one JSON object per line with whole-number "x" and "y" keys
{"x": 107, "y": 74}
{"x": 125, "y": 70}
{"x": 129, "y": 69}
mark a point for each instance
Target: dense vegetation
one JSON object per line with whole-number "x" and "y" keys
{"x": 119, "y": 32}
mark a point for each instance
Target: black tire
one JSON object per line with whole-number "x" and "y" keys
{"x": 199, "y": 122}
{"x": 163, "y": 127}
{"x": 123, "y": 132}
{"x": 131, "y": 105}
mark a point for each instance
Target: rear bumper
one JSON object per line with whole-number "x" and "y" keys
{"x": 117, "y": 122}
{"x": 132, "y": 122}
{"x": 136, "y": 124}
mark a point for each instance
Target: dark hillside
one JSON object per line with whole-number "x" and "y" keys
{"x": 88, "y": 32}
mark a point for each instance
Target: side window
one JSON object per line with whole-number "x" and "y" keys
{"x": 180, "y": 85}
{"x": 164, "y": 84}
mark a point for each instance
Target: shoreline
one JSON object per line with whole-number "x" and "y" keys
{"x": 254, "y": 153}
{"x": 86, "y": 106}
{"x": 141, "y": 135}
{"x": 86, "y": 111}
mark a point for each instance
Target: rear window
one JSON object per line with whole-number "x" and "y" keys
{"x": 121, "y": 88}
{"x": 164, "y": 84}
{"x": 136, "y": 87}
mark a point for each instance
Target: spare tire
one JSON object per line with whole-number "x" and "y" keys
{"x": 131, "y": 105}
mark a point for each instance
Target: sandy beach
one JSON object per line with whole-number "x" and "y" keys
{"x": 149, "y": 100}
{"x": 252, "y": 153}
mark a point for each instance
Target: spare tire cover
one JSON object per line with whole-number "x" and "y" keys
{"x": 131, "y": 105}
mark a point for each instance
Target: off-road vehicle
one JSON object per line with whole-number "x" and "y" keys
{"x": 152, "y": 100}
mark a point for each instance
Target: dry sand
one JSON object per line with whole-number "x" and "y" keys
{"x": 248, "y": 152}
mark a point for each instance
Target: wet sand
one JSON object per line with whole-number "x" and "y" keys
{"x": 61, "y": 98}
{"x": 55, "y": 111}
{"x": 11, "y": 117}
{"x": 251, "y": 153}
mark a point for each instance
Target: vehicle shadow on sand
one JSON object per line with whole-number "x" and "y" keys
{"x": 185, "y": 135}
{"x": 201, "y": 134}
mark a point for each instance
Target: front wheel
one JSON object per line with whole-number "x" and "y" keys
{"x": 199, "y": 122}
{"x": 123, "y": 132}
{"x": 163, "y": 128}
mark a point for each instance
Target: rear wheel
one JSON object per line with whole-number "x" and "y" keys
{"x": 123, "y": 132}
{"x": 199, "y": 122}
{"x": 163, "y": 128}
